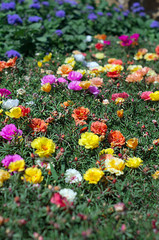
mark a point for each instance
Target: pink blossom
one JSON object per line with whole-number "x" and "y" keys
{"x": 125, "y": 40}
{"x": 146, "y": 95}
{"x": 107, "y": 42}
{"x": 10, "y": 131}
{"x": 119, "y": 95}
{"x": 62, "y": 80}
{"x": 74, "y": 85}
{"x": 74, "y": 76}
{"x": 48, "y": 79}
{"x": 135, "y": 36}
{"x": 4, "y": 92}
{"x": 94, "y": 90}
{"x": 60, "y": 201}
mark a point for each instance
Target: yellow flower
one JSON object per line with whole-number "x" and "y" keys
{"x": 4, "y": 175}
{"x": 151, "y": 73}
{"x": 138, "y": 56}
{"x": 150, "y": 56}
{"x": 15, "y": 112}
{"x": 106, "y": 151}
{"x": 120, "y": 113}
{"x": 82, "y": 71}
{"x": 155, "y": 96}
{"x": 1, "y": 110}
{"x": 134, "y": 68}
{"x": 70, "y": 61}
{"x": 45, "y": 147}
{"x": 47, "y": 58}
{"x": 132, "y": 143}
{"x": 115, "y": 165}
{"x": 40, "y": 64}
{"x": 134, "y": 162}
{"x": 85, "y": 84}
{"x": 119, "y": 100}
{"x": 33, "y": 175}
{"x": 116, "y": 67}
{"x": 93, "y": 175}
{"x": 99, "y": 55}
{"x": 89, "y": 140}
{"x": 156, "y": 175}
{"x": 17, "y": 166}
{"x": 46, "y": 87}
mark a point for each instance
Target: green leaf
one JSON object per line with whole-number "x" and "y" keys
{"x": 54, "y": 173}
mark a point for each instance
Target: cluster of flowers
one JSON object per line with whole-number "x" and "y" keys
{"x": 9, "y": 63}
{"x": 144, "y": 54}
{"x": 129, "y": 40}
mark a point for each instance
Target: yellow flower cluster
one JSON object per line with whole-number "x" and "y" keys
{"x": 156, "y": 175}
{"x": 134, "y": 68}
{"x": 115, "y": 165}
{"x": 4, "y": 175}
{"x": 134, "y": 162}
{"x": 47, "y": 58}
{"x": 89, "y": 140}
{"x": 33, "y": 175}
{"x": 46, "y": 87}
{"x": 154, "y": 96}
{"x": 45, "y": 147}
{"x": 113, "y": 67}
{"x": 93, "y": 175}
{"x": 17, "y": 166}
{"x": 106, "y": 151}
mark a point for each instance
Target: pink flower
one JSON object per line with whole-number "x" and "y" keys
{"x": 125, "y": 40}
{"x": 107, "y": 42}
{"x": 119, "y": 95}
{"x": 60, "y": 201}
{"x": 4, "y": 92}
{"x": 135, "y": 36}
{"x": 74, "y": 76}
{"x": 10, "y": 131}
{"x": 94, "y": 90}
{"x": 48, "y": 79}
{"x": 62, "y": 80}
{"x": 10, "y": 158}
{"x": 74, "y": 85}
{"x": 146, "y": 95}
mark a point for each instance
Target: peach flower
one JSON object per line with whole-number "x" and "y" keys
{"x": 99, "y": 128}
{"x": 64, "y": 70}
{"x": 97, "y": 82}
{"x": 116, "y": 139}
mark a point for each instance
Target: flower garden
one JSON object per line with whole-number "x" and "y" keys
{"x": 79, "y": 129}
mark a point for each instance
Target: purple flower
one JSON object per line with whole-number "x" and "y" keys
{"x": 35, "y": 5}
{"x": 89, "y": 7}
{"x": 12, "y": 53}
{"x": 46, "y": 4}
{"x": 59, "y": 32}
{"x": 8, "y": 6}
{"x": 100, "y": 13}
{"x": 94, "y": 90}
{"x": 48, "y": 79}
{"x": 92, "y": 16}
{"x": 126, "y": 13}
{"x": 136, "y": 4}
{"x": 116, "y": 9}
{"x": 74, "y": 85}
{"x": 34, "y": 19}
{"x": 62, "y": 80}
{"x": 4, "y": 92}
{"x": 60, "y": 13}
{"x": 10, "y": 131}
{"x": 21, "y": 1}
{"x": 154, "y": 24}
{"x": 71, "y": 2}
{"x": 10, "y": 158}
{"x": 109, "y": 14}
{"x": 12, "y": 19}
{"x": 142, "y": 14}
{"x": 74, "y": 76}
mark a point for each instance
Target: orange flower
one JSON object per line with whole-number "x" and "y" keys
{"x": 9, "y": 63}
{"x": 116, "y": 139}
{"x": 66, "y": 104}
{"x": 100, "y": 36}
{"x": 64, "y": 70}
{"x": 157, "y": 50}
{"x": 46, "y": 87}
{"x": 99, "y": 128}
{"x": 120, "y": 113}
{"x": 80, "y": 114}
{"x": 132, "y": 143}
{"x": 97, "y": 82}
{"x": 38, "y": 125}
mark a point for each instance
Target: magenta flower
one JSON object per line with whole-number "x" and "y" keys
{"x": 48, "y": 79}
{"x": 74, "y": 85}
{"x": 135, "y": 36}
{"x": 74, "y": 76}
{"x": 146, "y": 95}
{"x": 4, "y": 92}
{"x": 94, "y": 90}
{"x": 10, "y": 131}
{"x": 125, "y": 40}
{"x": 107, "y": 42}
{"x": 119, "y": 95}
{"x": 10, "y": 158}
{"x": 62, "y": 80}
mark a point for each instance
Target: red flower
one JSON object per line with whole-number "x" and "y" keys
{"x": 116, "y": 139}
{"x": 119, "y": 95}
{"x": 60, "y": 201}
{"x": 99, "y": 46}
{"x": 25, "y": 111}
{"x": 114, "y": 74}
{"x": 99, "y": 128}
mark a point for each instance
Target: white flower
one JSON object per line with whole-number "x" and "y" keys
{"x": 92, "y": 64}
{"x": 68, "y": 193}
{"x": 30, "y": 103}
{"x": 10, "y": 103}
{"x": 105, "y": 101}
{"x": 79, "y": 57}
{"x": 88, "y": 38}
{"x": 41, "y": 163}
{"x": 21, "y": 91}
{"x": 72, "y": 176}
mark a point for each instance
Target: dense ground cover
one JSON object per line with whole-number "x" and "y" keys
{"x": 79, "y": 131}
